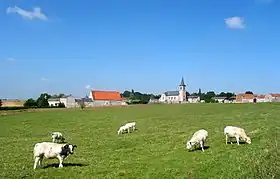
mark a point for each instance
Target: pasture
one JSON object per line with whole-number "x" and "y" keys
{"x": 156, "y": 150}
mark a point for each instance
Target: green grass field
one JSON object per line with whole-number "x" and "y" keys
{"x": 156, "y": 150}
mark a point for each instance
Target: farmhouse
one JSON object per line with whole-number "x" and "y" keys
{"x": 272, "y": 97}
{"x": 68, "y": 101}
{"x": 101, "y": 98}
{"x": 249, "y": 98}
{"x": 219, "y": 99}
{"x": 193, "y": 99}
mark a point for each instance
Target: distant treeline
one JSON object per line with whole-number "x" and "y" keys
{"x": 143, "y": 98}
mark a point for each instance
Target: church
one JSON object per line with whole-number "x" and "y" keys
{"x": 179, "y": 96}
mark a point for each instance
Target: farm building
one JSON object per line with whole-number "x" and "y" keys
{"x": 250, "y": 98}
{"x": 68, "y": 101}
{"x": 104, "y": 98}
{"x": 272, "y": 97}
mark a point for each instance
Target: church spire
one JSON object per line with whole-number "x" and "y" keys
{"x": 182, "y": 82}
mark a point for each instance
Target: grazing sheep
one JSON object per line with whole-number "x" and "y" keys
{"x": 122, "y": 129}
{"x": 237, "y": 132}
{"x": 199, "y": 137}
{"x": 51, "y": 150}
{"x": 57, "y": 137}
{"x": 131, "y": 125}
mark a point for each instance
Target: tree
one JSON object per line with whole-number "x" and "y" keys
{"x": 82, "y": 104}
{"x": 61, "y": 105}
{"x": 0, "y": 103}
{"x": 249, "y": 92}
{"x": 30, "y": 103}
{"x": 199, "y": 92}
{"x": 42, "y": 101}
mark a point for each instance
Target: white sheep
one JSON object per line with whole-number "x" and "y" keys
{"x": 131, "y": 125}
{"x": 51, "y": 150}
{"x": 122, "y": 129}
{"x": 237, "y": 132}
{"x": 199, "y": 137}
{"x": 57, "y": 137}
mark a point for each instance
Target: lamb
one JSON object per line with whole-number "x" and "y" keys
{"x": 237, "y": 132}
{"x": 51, "y": 150}
{"x": 57, "y": 137}
{"x": 122, "y": 129}
{"x": 131, "y": 125}
{"x": 199, "y": 137}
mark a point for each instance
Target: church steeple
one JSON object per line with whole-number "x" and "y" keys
{"x": 182, "y": 82}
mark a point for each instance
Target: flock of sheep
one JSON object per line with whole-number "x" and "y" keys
{"x": 61, "y": 151}
{"x": 199, "y": 137}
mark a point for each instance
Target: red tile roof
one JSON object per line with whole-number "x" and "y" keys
{"x": 106, "y": 95}
{"x": 244, "y": 96}
{"x": 274, "y": 95}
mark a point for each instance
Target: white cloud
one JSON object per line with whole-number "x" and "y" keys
{"x": 235, "y": 22}
{"x": 45, "y": 79}
{"x": 11, "y": 59}
{"x": 87, "y": 86}
{"x": 35, "y": 13}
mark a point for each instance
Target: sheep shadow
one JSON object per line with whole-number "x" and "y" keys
{"x": 55, "y": 165}
{"x": 234, "y": 142}
{"x": 199, "y": 148}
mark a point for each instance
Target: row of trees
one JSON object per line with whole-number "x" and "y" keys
{"x": 137, "y": 97}
{"x": 41, "y": 101}
{"x": 143, "y": 98}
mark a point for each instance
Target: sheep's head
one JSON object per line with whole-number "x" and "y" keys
{"x": 69, "y": 148}
{"x": 248, "y": 140}
{"x": 189, "y": 145}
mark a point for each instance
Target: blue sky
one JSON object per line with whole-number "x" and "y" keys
{"x": 148, "y": 45}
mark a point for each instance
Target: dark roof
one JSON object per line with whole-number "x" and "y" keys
{"x": 85, "y": 100}
{"x": 172, "y": 93}
{"x": 219, "y": 97}
{"x": 182, "y": 82}
{"x": 192, "y": 96}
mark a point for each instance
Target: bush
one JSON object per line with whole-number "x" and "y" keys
{"x": 13, "y": 108}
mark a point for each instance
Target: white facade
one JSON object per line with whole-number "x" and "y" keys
{"x": 68, "y": 101}
{"x": 193, "y": 99}
{"x": 175, "y": 96}
{"x": 272, "y": 97}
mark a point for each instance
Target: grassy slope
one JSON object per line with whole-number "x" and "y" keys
{"x": 155, "y": 150}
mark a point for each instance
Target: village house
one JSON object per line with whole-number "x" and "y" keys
{"x": 105, "y": 98}
{"x": 193, "y": 99}
{"x": 219, "y": 99}
{"x": 67, "y": 100}
{"x": 250, "y": 98}
{"x": 272, "y": 97}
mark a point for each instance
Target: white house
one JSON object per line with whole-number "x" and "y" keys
{"x": 175, "y": 96}
{"x": 68, "y": 101}
{"x": 220, "y": 99}
{"x": 272, "y": 97}
{"x": 193, "y": 99}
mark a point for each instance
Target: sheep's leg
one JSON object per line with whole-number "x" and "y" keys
{"x": 226, "y": 139}
{"x": 128, "y": 130}
{"x": 36, "y": 161}
{"x": 201, "y": 145}
{"x": 237, "y": 140}
{"x": 40, "y": 162}
{"x": 60, "y": 162}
